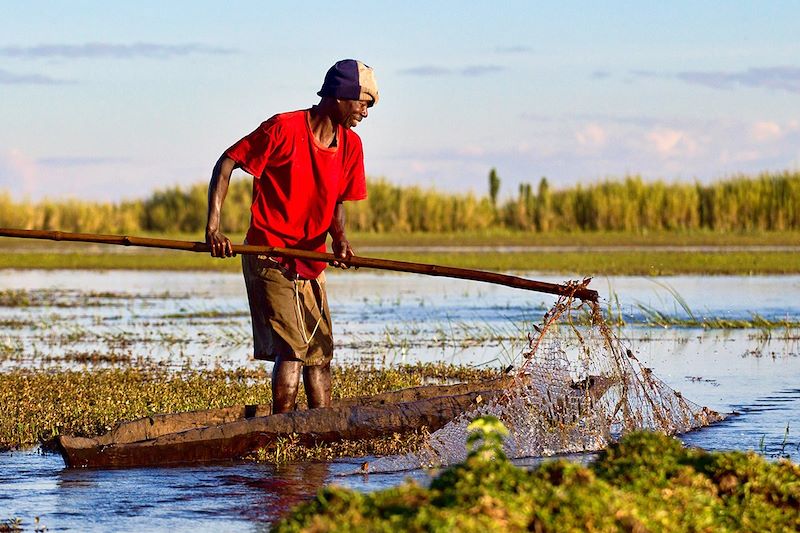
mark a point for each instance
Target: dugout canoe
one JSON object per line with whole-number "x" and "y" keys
{"x": 225, "y": 434}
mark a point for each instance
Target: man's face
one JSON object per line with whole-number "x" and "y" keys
{"x": 351, "y": 112}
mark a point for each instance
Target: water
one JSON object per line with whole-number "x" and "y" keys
{"x": 241, "y": 497}
{"x": 384, "y": 319}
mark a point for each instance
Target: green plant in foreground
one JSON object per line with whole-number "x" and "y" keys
{"x": 645, "y": 482}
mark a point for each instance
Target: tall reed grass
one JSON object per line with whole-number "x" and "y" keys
{"x": 766, "y": 202}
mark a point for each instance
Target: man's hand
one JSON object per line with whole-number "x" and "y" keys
{"x": 220, "y": 244}
{"x": 342, "y": 250}
{"x": 340, "y": 245}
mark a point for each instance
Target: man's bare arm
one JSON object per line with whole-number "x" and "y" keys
{"x": 217, "y": 191}
{"x": 340, "y": 245}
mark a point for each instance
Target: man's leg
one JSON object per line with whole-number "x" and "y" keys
{"x": 317, "y": 383}
{"x": 285, "y": 382}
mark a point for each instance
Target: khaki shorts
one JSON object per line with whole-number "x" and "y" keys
{"x": 290, "y": 317}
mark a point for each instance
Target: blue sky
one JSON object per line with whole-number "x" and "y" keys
{"x": 111, "y": 100}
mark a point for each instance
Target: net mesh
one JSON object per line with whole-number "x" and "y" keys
{"x": 579, "y": 387}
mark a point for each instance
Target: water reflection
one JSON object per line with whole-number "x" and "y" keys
{"x": 242, "y": 496}
{"x": 275, "y": 490}
{"x": 196, "y": 497}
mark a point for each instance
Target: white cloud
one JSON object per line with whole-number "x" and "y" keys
{"x": 740, "y": 156}
{"x": 765, "y": 131}
{"x": 19, "y": 173}
{"x": 418, "y": 166}
{"x": 471, "y": 151}
{"x": 668, "y": 142}
{"x": 88, "y": 178}
{"x": 523, "y": 147}
{"x": 592, "y": 135}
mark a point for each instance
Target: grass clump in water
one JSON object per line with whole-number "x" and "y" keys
{"x": 287, "y": 450}
{"x": 646, "y": 482}
{"x": 40, "y": 404}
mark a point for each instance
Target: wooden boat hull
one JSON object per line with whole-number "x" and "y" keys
{"x": 225, "y": 434}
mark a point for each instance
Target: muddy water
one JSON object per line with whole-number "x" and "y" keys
{"x": 50, "y": 318}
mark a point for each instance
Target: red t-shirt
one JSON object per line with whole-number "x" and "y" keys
{"x": 297, "y": 183}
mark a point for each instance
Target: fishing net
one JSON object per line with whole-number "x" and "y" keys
{"x": 578, "y": 388}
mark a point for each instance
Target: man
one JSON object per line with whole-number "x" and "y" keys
{"x": 304, "y": 165}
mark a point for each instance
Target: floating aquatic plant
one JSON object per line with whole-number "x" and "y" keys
{"x": 645, "y": 482}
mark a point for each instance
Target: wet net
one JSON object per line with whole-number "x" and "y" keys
{"x": 578, "y": 388}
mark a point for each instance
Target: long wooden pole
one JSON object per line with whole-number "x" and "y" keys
{"x": 356, "y": 261}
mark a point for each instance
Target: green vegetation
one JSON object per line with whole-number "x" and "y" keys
{"x": 583, "y": 263}
{"x": 767, "y": 202}
{"x": 657, "y": 318}
{"x": 113, "y": 261}
{"x": 617, "y": 225}
{"x": 589, "y": 263}
{"x": 646, "y": 482}
{"x": 290, "y": 449}
{"x": 654, "y": 317}
{"x": 491, "y": 238}
{"x": 40, "y": 404}
{"x": 503, "y": 237}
